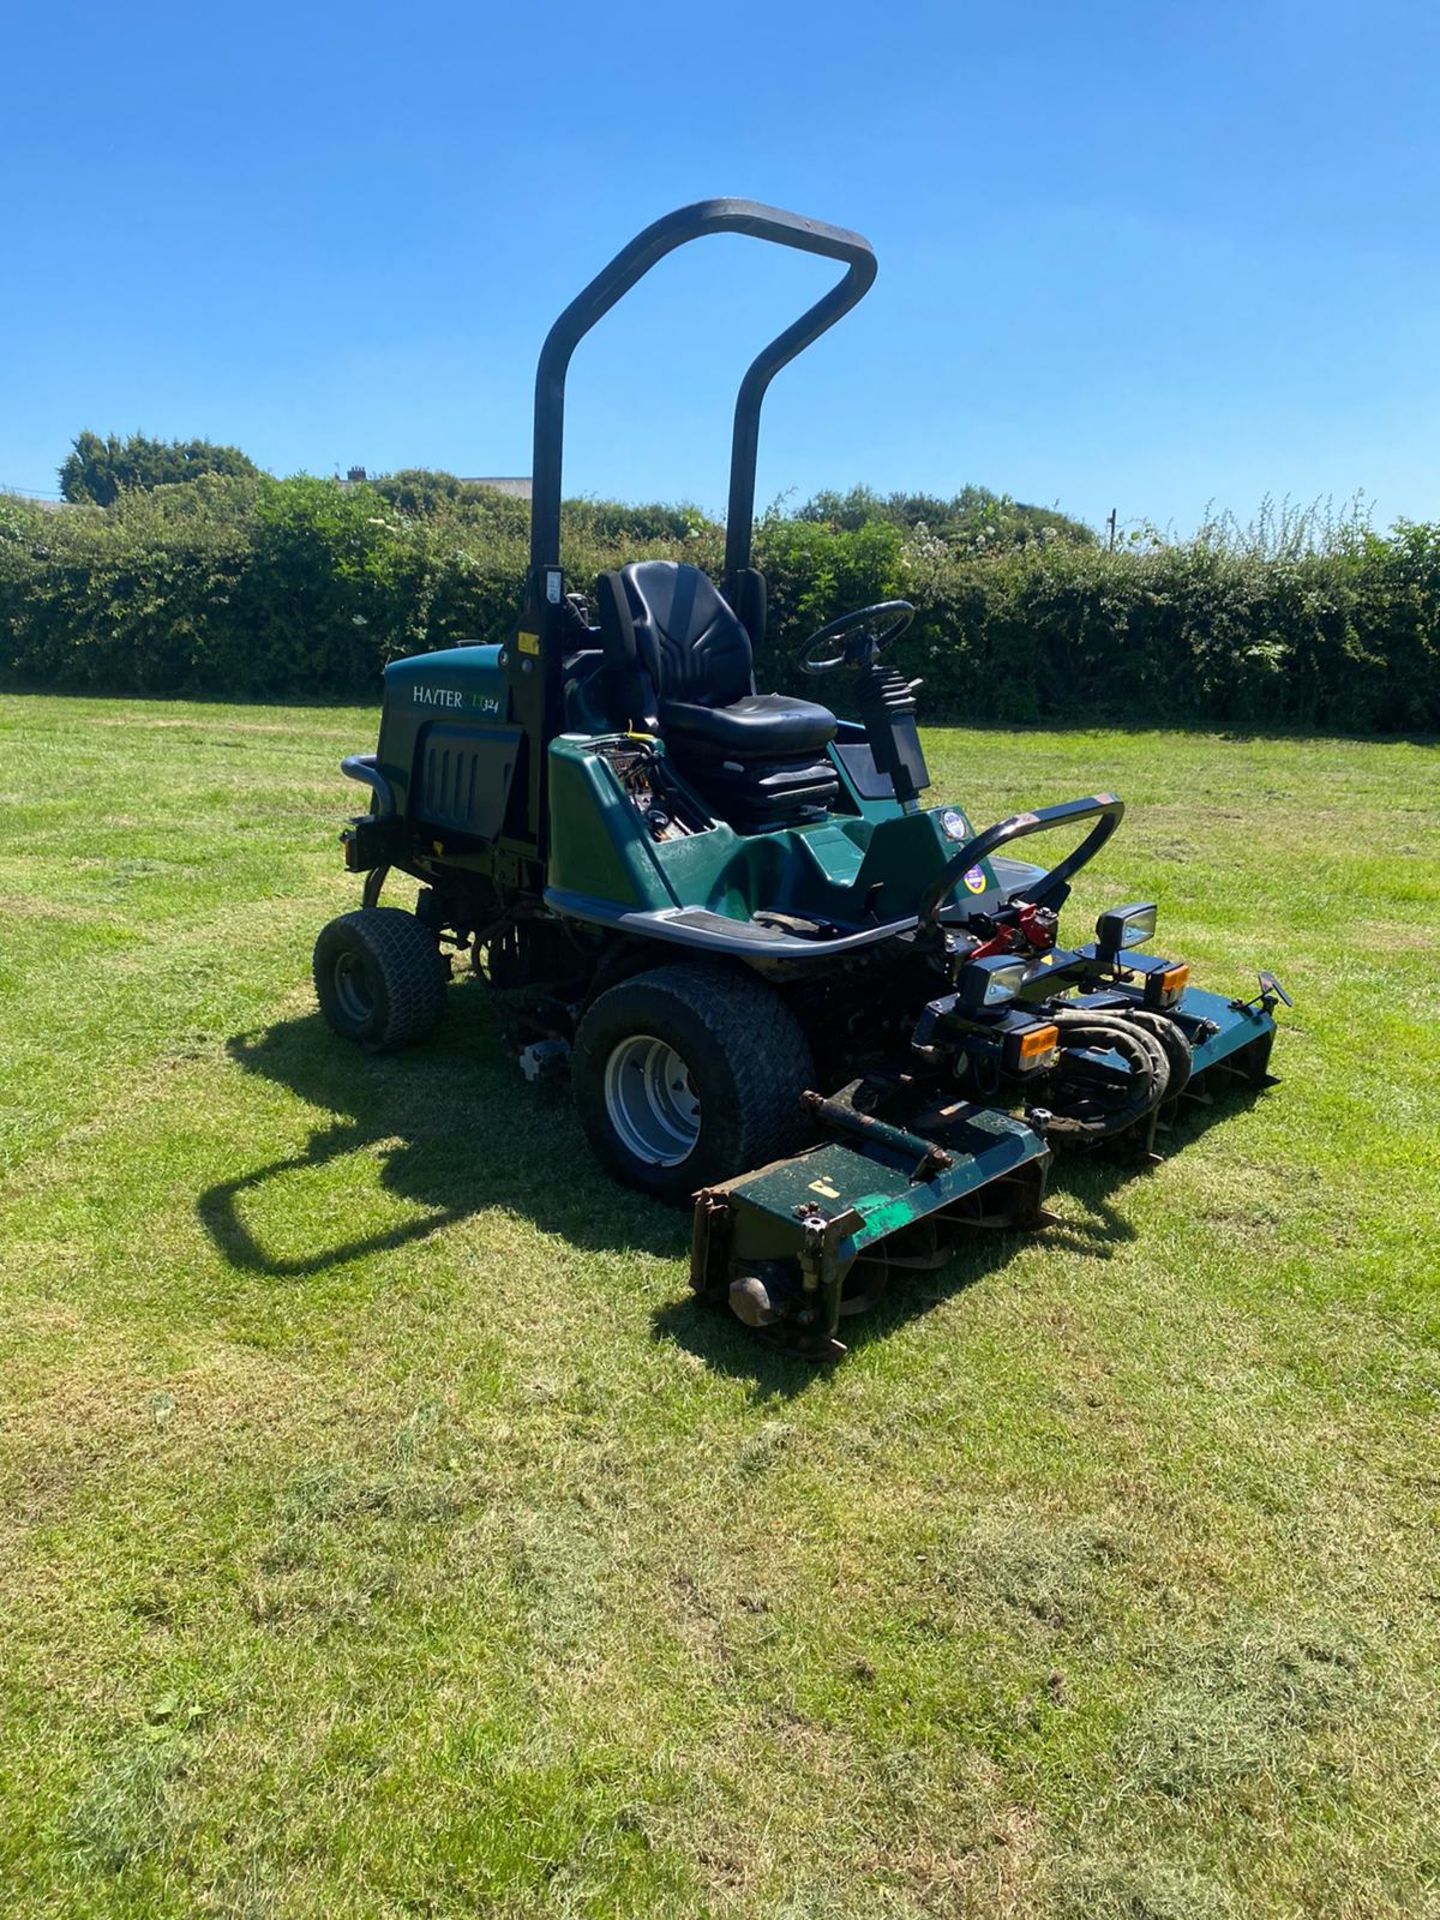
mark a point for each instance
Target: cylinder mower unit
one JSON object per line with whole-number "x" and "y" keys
{"x": 709, "y": 904}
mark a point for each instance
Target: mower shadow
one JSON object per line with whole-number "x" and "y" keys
{"x": 1089, "y": 1223}
{"x": 456, "y": 1130}
{"x": 430, "y": 1118}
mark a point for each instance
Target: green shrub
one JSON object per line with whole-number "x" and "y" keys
{"x": 274, "y": 588}
{"x": 975, "y": 517}
{"x": 815, "y": 572}
{"x": 425, "y": 494}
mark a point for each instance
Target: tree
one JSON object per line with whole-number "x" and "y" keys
{"x": 97, "y": 470}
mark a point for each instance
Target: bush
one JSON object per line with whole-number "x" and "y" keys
{"x": 421, "y": 493}
{"x": 1347, "y": 639}
{"x": 975, "y": 517}
{"x": 274, "y": 588}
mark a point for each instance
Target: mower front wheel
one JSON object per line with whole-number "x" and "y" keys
{"x": 380, "y": 978}
{"x": 688, "y": 1075}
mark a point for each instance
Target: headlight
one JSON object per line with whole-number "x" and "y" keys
{"x": 1124, "y": 927}
{"x": 992, "y": 982}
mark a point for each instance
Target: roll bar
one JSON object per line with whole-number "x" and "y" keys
{"x": 632, "y": 263}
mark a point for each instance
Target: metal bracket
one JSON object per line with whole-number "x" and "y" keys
{"x": 839, "y": 1115}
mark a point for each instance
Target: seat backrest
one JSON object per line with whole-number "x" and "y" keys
{"x": 665, "y": 621}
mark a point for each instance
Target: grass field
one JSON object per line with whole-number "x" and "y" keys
{"x": 383, "y": 1533}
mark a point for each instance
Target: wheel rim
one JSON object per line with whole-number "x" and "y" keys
{"x": 352, "y": 989}
{"x": 651, "y": 1101}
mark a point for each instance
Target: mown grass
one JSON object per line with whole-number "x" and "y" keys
{"x": 383, "y": 1533}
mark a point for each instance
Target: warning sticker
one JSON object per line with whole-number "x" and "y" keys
{"x": 528, "y": 642}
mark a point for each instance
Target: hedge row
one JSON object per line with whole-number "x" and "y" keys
{"x": 274, "y": 589}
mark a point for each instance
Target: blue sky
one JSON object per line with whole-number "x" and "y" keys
{"x": 1141, "y": 256}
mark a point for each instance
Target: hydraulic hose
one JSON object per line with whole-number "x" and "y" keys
{"x": 1085, "y": 1113}
{"x": 1178, "y": 1050}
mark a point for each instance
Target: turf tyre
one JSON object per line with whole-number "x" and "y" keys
{"x": 380, "y": 978}
{"x": 748, "y": 1062}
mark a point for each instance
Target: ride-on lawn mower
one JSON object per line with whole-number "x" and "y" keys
{"x": 841, "y": 1020}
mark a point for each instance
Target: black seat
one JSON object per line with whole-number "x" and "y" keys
{"x": 679, "y": 662}
{"x": 768, "y": 722}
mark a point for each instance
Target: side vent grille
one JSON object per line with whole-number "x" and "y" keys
{"x": 465, "y": 775}
{"x": 449, "y": 782}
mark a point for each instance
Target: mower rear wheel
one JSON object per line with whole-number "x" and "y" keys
{"x": 380, "y": 978}
{"x": 687, "y": 1075}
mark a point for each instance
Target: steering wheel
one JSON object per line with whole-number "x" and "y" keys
{"x": 854, "y": 639}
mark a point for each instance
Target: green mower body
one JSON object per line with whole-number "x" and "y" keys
{"x": 841, "y": 1020}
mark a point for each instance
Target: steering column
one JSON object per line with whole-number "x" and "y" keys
{"x": 886, "y": 699}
